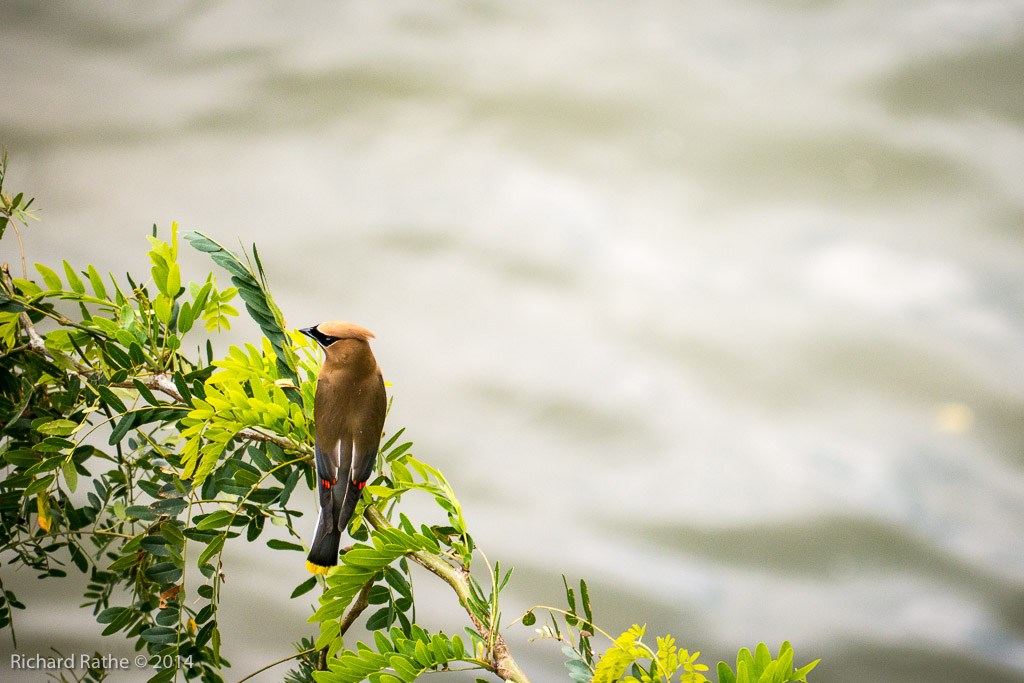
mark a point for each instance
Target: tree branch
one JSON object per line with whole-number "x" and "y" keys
{"x": 361, "y": 602}
{"x": 164, "y": 383}
{"x": 35, "y": 342}
{"x": 160, "y": 381}
{"x": 458, "y": 578}
{"x": 357, "y": 607}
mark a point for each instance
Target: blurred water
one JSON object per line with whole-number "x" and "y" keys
{"x": 717, "y": 304}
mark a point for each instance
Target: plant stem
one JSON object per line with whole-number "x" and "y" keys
{"x": 273, "y": 664}
{"x": 361, "y": 602}
{"x": 502, "y": 662}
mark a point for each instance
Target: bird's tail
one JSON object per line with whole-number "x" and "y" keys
{"x": 323, "y": 554}
{"x": 353, "y": 492}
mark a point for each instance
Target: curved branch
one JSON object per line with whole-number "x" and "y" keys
{"x": 164, "y": 383}
{"x": 458, "y": 578}
{"x": 357, "y": 607}
{"x": 35, "y": 342}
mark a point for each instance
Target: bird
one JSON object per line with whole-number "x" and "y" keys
{"x": 348, "y": 413}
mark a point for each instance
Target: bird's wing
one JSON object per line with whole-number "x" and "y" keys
{"x": 364, "y": 447}
{"x": 363, "y": 459}
{"x": 367, "y": 441}
{"x": 327, "y": 476}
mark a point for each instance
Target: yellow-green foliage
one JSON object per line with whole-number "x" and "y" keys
{"x": 628, "y": 651}
{"x": 761, "y": 668}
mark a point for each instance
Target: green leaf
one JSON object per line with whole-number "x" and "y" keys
{"x": 39, "y": 485}
{"x": 119, "y": 621}
{"x": 199, "y": 298}
{"x": 762, "y": 658}
{"x": 172, "y": 534}
{"x": 163, "y": 573}
{"x": 784, "y": 663}
{"x": 124, "y": 426}
{"x": 117, "y": 356}
{"x": 136, "y": 354}
{"x": 58, "y": 427}
{"x": 284, "y": 545}
{"x": 173, "y": 281}
{"x": 167, "y": 617}
{"x": 140, "y": 512}
{"x": 801, "y": 674}
{"x": 258, "y": 302}
{"x": 21, "y": 458}
{"x": 215, "y": 519}
{"x": 111, "y": 399}
{"x": 185, "y": 317}
{"x": 182, "y": 386}
{"x": 163, "y": 675}
{"x": 163, "y": 307}
{"x": 202, "y": 242}
{"x": 380, "y": 619}
{"x": 585, "y": 598}
{"x": 504, "y": 581}
{"x": 396, "y": 580}
{"x": 145, "y": 392}
{"x": 70, "y": 475}
{"x": 579, "y": 671}
{"x": 259, "y": 264}
{"x": 9, "y": 305}
{"x": 329, "y": 630}
{"x": 391, "y": 441}
{"x": 110, "y": 614}
{"x": 227, "y": 260}
{"x": 304, "y": 587}
{"x": 259, "y": 457}
{"x": 215, "y": 547}
{"x": 74, "y": 281}
{"x": 162, "y": 635}
{"x": 155, "y": 545}
{"x": 404, "y": 668}
{"x": 49, "y": 277}
{"x": 246, "y": 478}
{"x": 97, "y": 283}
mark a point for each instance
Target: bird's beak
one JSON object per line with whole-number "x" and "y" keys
{"x": 309, "y": 332}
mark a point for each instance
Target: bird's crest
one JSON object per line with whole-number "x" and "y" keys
{"x": 339, "y": 329}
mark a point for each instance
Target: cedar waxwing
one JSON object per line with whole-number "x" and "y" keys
{"x": 349, "y": 413}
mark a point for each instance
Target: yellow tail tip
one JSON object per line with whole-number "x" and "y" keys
{"x": 315, "y": 568}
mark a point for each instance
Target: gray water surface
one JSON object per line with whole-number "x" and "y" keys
{"x": 718, "y": 305}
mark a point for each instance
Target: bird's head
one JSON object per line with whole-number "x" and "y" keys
{"x": 327, "y": 333}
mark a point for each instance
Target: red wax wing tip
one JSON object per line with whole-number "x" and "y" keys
{"x": 359, "y": 484}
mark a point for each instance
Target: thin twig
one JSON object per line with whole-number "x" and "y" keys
{"x": 21, "y": 245}
{"x": 273, "y": 664}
